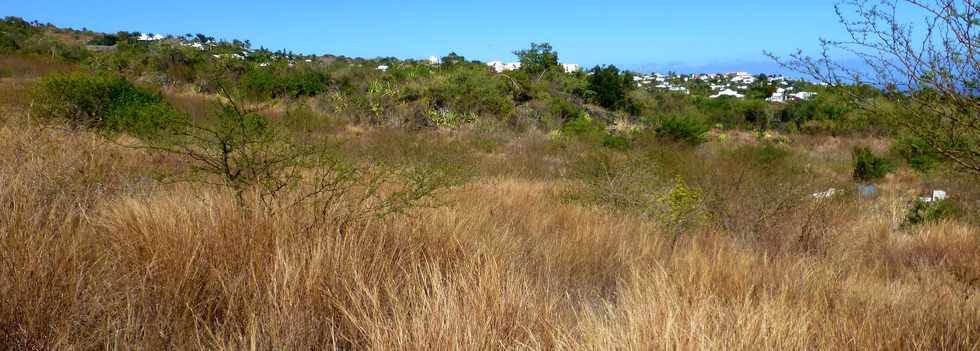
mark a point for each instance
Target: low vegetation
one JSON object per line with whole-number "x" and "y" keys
{"x": 167, "y": 194}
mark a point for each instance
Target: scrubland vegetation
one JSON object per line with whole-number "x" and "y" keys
{"x": 156, "y": 196}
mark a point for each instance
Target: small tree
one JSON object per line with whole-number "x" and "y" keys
{"x": 608, "y": 88}
{"x": 538, "y": 60}
{"x": 452, "y": 59}
{"x": 868, "y": 166}
{"x": 933, "y": 72}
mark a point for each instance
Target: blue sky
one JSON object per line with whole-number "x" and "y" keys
{"x": 693, "y": 35}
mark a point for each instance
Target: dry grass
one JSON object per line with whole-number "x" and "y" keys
{"x": 94, "y": 254}
{"x": 15, "y": 66}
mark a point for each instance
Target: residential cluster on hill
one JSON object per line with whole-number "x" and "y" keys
{"x": 780, "y": 89}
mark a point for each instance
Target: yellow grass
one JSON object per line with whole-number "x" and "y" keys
{"x": 95, "y": 254}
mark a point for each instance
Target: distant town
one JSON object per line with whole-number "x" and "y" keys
{"x": 712, "y": 85}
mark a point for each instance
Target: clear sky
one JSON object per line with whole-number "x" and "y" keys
{"x": 691, "y": 35}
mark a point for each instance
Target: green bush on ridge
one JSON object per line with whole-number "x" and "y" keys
{"x": 107, "y": 103}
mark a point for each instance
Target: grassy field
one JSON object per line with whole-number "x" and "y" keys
{"x": 544, "y": 244}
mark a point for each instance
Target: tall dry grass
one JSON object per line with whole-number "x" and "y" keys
{"x": 94, "y": 254}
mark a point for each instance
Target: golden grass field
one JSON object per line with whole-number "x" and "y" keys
{"x": 96, "y": 254}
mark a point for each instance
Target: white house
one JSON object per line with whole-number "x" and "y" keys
{"x": 779, "y": 96}
{"x": 727, "y": 92}
{"x": 570, "y": 67}
{"x": 937, "y": 195}
{"x": 383, "y": 68}
{"x": 502, "y": 67}
{"x": 433, "y": 60}
{"x": 497, "y": 66}
{"x": 155, "y": 37}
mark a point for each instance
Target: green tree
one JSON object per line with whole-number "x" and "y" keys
{"x": 538, "y": 60}
{"x": 761, "y": 89}
{"x": 608, "y": 88}
{"x": 452, "y": 58}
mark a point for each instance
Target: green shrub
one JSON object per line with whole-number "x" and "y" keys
{"x": 766, "y": 154}
{"x": 563, "y": 110}
{"x": 472, "y": 91}
{"x": 283, "y": 81}
{"x": 868, "y": 166}
{"x": 616, "y": 141}
{"x": 917, "y": 154}
{"x": 105, "y": 40}
{"x": 107, "y": 103}
{"x": 683, "y": 127}
{"x": 608, "y": 88}
{"x": 922, "y": 212}
{"x": 583, "y": 126}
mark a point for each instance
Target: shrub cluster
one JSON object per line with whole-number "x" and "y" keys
{"x": 283, "y": 81}
{"x": 684, "y": 128}
{"x": 103, "y": 102}
{"x": 868, "y": 166}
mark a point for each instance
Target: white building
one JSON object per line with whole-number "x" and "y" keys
{"x": 570, "y": 67}
{"x": 155, "y": 37}
{"x": 504, "y": 67}
{"x": 383, "y": 68}
{"x": 433, "y": 60}
{"x": 727, "y": 92}
{"x": 779, "y": 96}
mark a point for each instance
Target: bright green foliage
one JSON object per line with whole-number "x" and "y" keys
{"x": 283, "y": 81}
{"x": 868, "y": 166}
{"x": 683, "y": 207}
{"x": 107, "y": 103}
{"x": 923, "y": 212}
{"x": 684, "y": 128}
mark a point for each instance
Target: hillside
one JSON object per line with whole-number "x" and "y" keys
{"x": 161, "y": 192}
